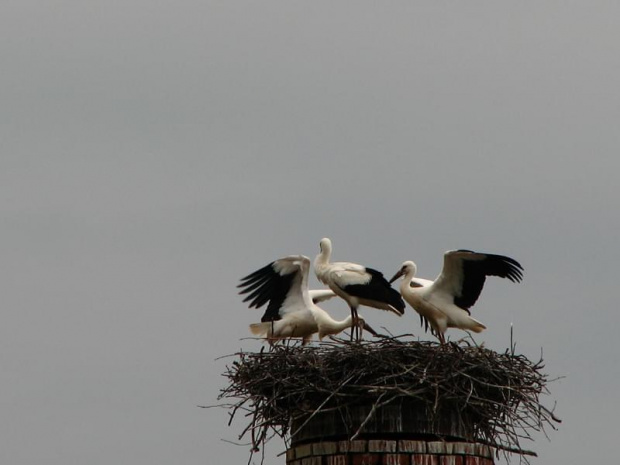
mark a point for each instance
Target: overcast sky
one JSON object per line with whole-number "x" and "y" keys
{"x": 154, "y": 152}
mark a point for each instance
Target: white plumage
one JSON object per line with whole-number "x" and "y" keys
{"x": 321, "y": 295}
{"x": 445, "y": 302}
{"x": 291, "y": 311}
{"x": 356, "y": 284}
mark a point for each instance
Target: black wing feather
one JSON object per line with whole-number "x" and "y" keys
{"x": 378, "y": 289}
{"x": 476, "y": 271}
{"x": 267, "y": 285}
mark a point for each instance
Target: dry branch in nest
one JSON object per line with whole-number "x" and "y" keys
{"x": 496, "y": 394}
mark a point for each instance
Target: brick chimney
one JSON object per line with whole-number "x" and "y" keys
{"x": 394, "y": 435}
{"x": 389, "y": 452}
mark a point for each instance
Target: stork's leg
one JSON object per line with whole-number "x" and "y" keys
{"x": 354, "y": 324}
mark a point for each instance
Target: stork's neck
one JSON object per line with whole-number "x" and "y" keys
{"x": 320, "y": 265}
{"x": 321, "y": 260}
{"x": 409, "y": 275}
{"x": 330, "y": 326}
{"x": 325, "y": 255}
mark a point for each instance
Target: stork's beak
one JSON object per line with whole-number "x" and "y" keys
{"x": 397, "y": 275}
{"x": 368, "y": 328}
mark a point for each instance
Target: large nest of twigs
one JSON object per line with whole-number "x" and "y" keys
{"x": 496, "y": 395}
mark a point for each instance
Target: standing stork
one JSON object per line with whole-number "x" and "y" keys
{"x": 292, "y": 311}
{"x": 356, "y": 284}
{"x": 445, "y": 302}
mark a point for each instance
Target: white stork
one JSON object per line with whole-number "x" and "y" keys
{"x": 356, "y": 284}
{"x": 445, "y": 302}
{"x": 292, "y": 311}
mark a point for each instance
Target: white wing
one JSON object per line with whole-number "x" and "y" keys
{"x": 321, "y": 295}
{"x": 346, "y": 274}
{"x": 450, "y": 280}
{"x": 283, "y": 283}
{"x": 420, "y": 282}
{"x": 464, "y": 273}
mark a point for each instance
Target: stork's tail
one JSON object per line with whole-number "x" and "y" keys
{"x": 396, "y": 301}
{"x": 476, "y": 326}
{"x": 260, "y": 329}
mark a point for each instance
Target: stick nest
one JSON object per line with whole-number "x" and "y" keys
{"x": 498, "y": 394}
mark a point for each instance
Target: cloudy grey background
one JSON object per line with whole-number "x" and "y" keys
{"x": 152, "y": 153}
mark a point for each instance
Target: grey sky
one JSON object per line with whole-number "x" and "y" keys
{"x": 152, "y": 153}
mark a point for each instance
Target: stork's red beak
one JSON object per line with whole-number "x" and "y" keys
{"x": 397, "y": 275}
{"x": 368, "y": 328}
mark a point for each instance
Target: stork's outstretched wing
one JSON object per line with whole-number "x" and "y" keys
{"x": 283, "y": 283}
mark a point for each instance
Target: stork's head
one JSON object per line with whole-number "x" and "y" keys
{"x": 408, "y": 269}
{"x": 326, "y": 247}
{"x": 365, "y": 326}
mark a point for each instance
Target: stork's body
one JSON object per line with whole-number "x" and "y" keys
{"x": 445, "y": 302}
{"x": 292, "y": 311}
{"x": 356, "y": 284}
